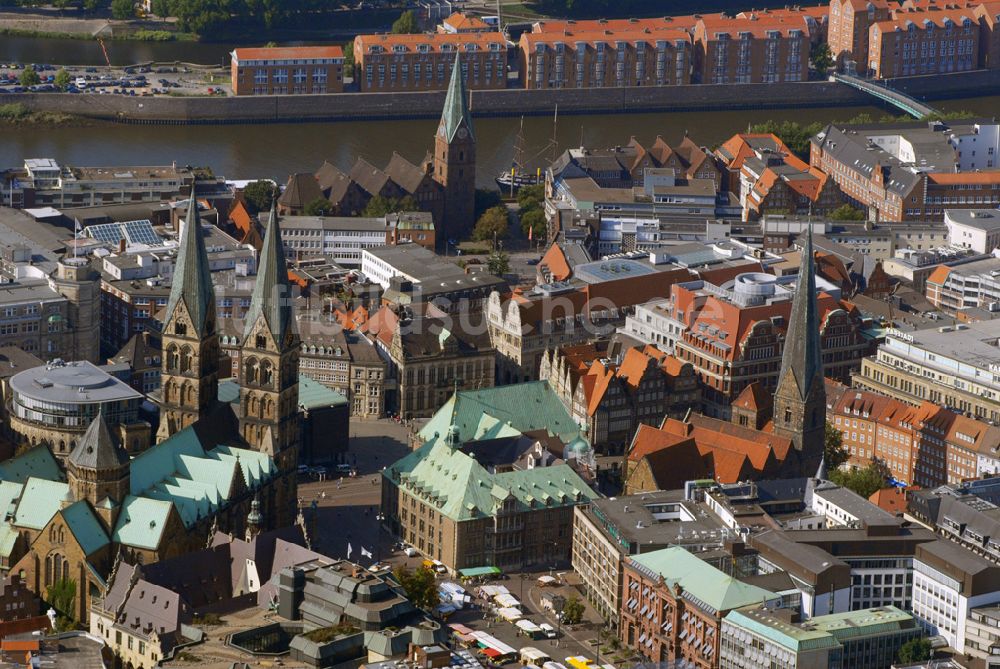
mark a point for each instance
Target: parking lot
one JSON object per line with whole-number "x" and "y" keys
{"x": 144, "y": 80}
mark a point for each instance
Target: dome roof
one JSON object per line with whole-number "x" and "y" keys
{"x": 577, "y": 448}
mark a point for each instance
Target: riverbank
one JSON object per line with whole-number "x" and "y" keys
{"x": 163, "y": 110}
{"x": 142, "y": 35}
{"x": 19, "y": 116}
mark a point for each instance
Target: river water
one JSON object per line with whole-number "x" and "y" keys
{"x": 275, "y": 151}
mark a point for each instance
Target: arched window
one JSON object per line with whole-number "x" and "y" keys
{"x": 250, "y": 370}
{"x": 252, "y": 402}
{"x": 266, "y": 373}
{"x": 180, "y": 328}
{"x": 48, "y": 570}
{"x": 186, "y": 356}
{"x": 172, "y": 358}
{"x": 270, "y": 409}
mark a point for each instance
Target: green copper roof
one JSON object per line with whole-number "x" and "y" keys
{"x": 272, "y": 297}
{"x": 39, "y": 502}
{"x": 456, "y": 104}
{"x": 84, "y": 525}
{"x": 37, "y": 462}
{"x": 504, "y": 411}
{"x": 192, "y": 282}
{"x": 8, "y": 539}
{"x": 141, "y": 522}
{"x": 314, "y": 395}
{"x": 462, "y": 489}
{"x": 790, "y": 636}
{"x": 866, "y": 622}
{"x": 180, "y": 471}
{"x": 701, "y": 580}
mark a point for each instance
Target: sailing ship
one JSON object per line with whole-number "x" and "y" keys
{"x": 519, "y": 175}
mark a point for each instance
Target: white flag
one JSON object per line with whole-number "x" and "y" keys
{"x": 349, "y": 550}
{"x": 365, "y": 553}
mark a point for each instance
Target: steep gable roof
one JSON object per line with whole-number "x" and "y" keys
{"x": 456, "y": 107}
{"x": 192, "y": 281}
{"x": 301, "y": 189}
{"x": 272, "y": 294}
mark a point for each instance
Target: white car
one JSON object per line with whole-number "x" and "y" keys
{"x": 410, "y": 551}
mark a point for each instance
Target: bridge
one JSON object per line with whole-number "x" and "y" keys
{"x": 895, "y": 98}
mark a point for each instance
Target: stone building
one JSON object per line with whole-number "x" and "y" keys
{"x": 441, "y": 500}
{"x": 613, "y": 396}
{"x": 429, "y": 358}
{"x": 673, "y": 604}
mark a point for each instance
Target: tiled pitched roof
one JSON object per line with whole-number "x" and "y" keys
{"x": 369, "y": 177}
{"x": 754, "y": 397}
{"x": 302, "y": 188}
{"x": 405, "y": 174}
{"x": 289, "y": 53}
{"x": 940, "y": 275}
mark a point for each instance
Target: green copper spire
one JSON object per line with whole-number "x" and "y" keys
{"x": 803, "y": 358}
{"x": 271, "y": 293}
{"x": 192, "y": 282}
{"x": 456, "y": 104}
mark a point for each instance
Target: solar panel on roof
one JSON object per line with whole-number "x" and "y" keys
{"x": 133, "y": 232}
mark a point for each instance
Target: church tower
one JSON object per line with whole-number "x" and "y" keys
{"x": 269, "y": 371}
{"x": 800, "y": 398}
{"x": 98, "y": 471}
{"x": 455, "y": 159}
{"x": 190, "y": 372}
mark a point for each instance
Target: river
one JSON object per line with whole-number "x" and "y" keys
{"x": 120, "y": 52}
{"x": 275, "y": 151}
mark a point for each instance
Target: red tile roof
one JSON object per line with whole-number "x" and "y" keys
{"x": 288, "y": 53}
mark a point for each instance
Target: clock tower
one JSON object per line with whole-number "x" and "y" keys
{"x": 455, "y": 159}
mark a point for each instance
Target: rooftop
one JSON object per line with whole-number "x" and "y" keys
{"x": 655, "y": 520}
{"x": 73, "y": 383}
{"x": 972, "y": 343}
{"x": 701, "y": 580}
{"x": 983, "y": 219}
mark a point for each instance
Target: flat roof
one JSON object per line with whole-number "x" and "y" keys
{"x": 643, "y": 519}
{"x": 856, "y": 505}
{"x": 79, "y": 382}
{"x": 974, "y": 344}
{"x": 982, "y": 219}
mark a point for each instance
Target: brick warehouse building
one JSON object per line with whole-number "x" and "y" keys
{"x": 288, "y": 70}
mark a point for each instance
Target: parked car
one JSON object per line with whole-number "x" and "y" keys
{"x": 410, "y": 551}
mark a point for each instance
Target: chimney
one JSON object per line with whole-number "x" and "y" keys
{"x": 121, "y": 245}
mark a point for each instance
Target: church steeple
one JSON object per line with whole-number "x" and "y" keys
{"x": 456, "y": 104}
{"x": 269, "y": 372}
{"x": 271, "y": 293}
{"x": 192, "y": 282}
{"x": 190, "y": 341}
{"x": 800, "y": 398}
{"x": 455, "y": 159}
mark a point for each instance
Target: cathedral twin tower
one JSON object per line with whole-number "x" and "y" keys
{"x": 269, "y": 355}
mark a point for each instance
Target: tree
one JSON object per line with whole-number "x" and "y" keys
{"x": 795, "y": 136}
{"x": 122, "y": 9}
{"x": 63, "y": 79}
{"x": 834, "y": 451}
{"x": 821, "y": 57}
{"x": 319, "y": 207}
{"x": 530, "y": 195}
{"x": 864, "y": 482}
{"x": 379, "y": 206}
{"x": 420, "y": 587}
{"x": 915, "y": 650}
{"x": 846, "y": 212}
{"x": 406, "y": 24}
{"x": 572, "y": 612}
{"x": 258, "y": 194}
{"x": 349, "y": 59}
{"x": 61, "y": 596}
{"x": 534, "y": 220}
{"x": 160, "y": 7}
{"x": 91, "y": 5}
{"x": 29, "y": 77}
{"x": 491, "y": 225}
{"x": 498, "y": 263}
